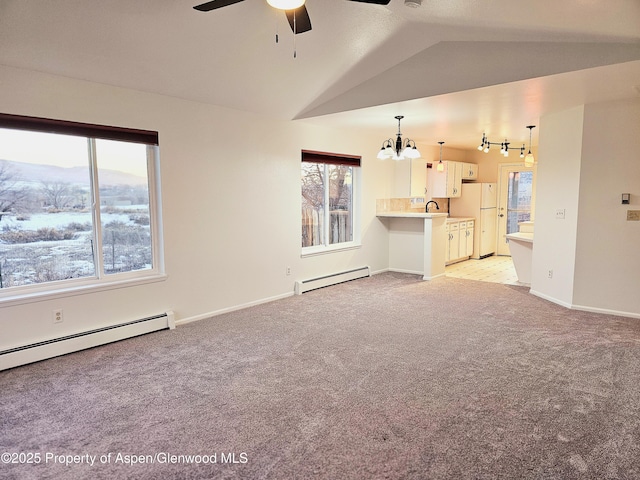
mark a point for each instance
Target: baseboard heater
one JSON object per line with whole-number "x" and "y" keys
{"x": 333, "y": 279}
{"x": 14, "y": 357}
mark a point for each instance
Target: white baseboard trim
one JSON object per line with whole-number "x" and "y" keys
{"x": 606, "y": 311}
{"x": 435, "y": 276}
{"x": 377, "y": 272}
{"x": 402, "y": 270}
{"x": 584, "y": 308}
{"x": 204, "y": 316}
{"x": 550, "y": 299}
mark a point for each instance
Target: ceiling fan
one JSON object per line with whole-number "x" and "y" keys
{"x": 297, "y": 16}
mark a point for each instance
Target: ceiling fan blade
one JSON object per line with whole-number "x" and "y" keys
{"x": 302, "y": 20}
{"x": 208, "y": 6}
{"x": 377, "y": 2}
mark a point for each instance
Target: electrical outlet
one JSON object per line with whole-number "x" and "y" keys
{"x": 288, "y": 271}
{"x": 550, "y": 274}
{"x": 560, "y": 213}
{"x": 57, "y": 316}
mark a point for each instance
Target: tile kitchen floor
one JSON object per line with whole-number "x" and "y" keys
{"x": 496, "y": 269}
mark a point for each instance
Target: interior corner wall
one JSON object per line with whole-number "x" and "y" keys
{"x": 231, "y": 217}
{"x": 607, "y": 273}
{"x": 558, "y": 188}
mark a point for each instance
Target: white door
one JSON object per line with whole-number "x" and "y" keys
{"x": 515, "y": 200}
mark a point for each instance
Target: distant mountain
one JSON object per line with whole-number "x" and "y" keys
{"x": 32, "y": 173}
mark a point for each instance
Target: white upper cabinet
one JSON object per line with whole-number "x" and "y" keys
{"x": 448, "y": 183}
{"x": 418, "y": 177}
{"x": 469, "y": 171}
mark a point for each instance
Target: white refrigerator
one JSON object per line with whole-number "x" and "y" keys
{"x": 479, "y": 200}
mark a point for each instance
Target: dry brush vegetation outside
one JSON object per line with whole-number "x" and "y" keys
{"x": 47, "y": 234}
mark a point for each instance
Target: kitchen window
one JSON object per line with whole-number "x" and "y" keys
{"x": 78, "y": 206}
{"x": 329, "y": 201}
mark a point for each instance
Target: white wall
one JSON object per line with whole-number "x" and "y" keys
{"x": 558, "y": 187}
{"x": 230, "y": 197}
{"x": 607, "y": 272}
{"x": 588, "y": 157}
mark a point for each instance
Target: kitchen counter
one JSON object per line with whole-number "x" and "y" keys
{"x": 521, "y": 236}
{"x": 405, "y": 214}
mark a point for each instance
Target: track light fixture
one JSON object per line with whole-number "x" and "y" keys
{"x": 398, "y": 149}
{"x": 485, "y": 146}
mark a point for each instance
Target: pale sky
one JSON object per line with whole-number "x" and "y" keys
{"x": 70, "y": 151}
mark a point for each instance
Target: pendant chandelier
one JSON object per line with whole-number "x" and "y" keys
{"x": 440, "y": 167}
{"x": 529, "y": 161}
{"x": 398, "y": 149}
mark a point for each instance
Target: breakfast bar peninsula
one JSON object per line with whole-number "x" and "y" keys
{"x": 416, "y": 242}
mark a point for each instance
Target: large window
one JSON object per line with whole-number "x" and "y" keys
{"x": 77, "y": 204}
{"x": 328, "y": 206}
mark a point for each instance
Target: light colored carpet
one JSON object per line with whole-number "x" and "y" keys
{"x": 383, "y": 377}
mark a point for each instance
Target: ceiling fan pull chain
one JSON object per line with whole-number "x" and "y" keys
{"x": 295, "y": 53}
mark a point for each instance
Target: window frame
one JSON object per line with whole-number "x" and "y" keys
{"x": 100, "y": 280}
{"x": 354, "y": 161}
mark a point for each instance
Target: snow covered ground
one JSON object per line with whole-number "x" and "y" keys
{"x": 45, "y": 261}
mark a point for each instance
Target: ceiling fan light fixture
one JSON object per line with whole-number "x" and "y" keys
{"x": 286, "y": 4}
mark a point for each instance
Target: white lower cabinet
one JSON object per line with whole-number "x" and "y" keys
{"x": 462, "y": 247}
{"x": 453, "y": 241}
{"x": 459, "y": 241}
{"x": 470, "y": 232}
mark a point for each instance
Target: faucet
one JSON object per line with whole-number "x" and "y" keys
{"x": 426, "y": 208}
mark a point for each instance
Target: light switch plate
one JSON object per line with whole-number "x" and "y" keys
{"x": 633, "y": 215}
{"x": 560, "y": 213}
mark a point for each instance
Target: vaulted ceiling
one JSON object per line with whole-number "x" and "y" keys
{"x": 454, "y": 68}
